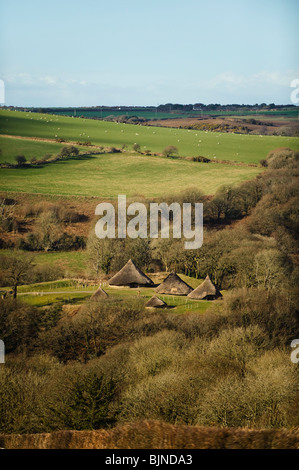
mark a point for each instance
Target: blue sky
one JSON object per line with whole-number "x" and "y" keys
{"x": 116, "y": 52}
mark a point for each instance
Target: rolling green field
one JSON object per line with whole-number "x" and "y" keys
{"x": 225, "y": 146}
{"x": 108, "y": 175}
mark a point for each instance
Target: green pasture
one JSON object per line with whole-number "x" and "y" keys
{"x": 50, "y": 299}
{"x": 107, "y": 175}
{"x": 178, "y": 305}
{"x": 217, "y": 146}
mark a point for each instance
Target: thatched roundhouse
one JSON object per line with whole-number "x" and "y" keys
{"x": 155, "y": 302}
{"x": 130, "y": 276}
{"x": 173, "y": 285}
{"x": 99, "y": 294}
{"x": 206, "y": 290}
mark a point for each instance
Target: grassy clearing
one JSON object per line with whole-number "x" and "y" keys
{"x": 234, "y": 147}
{"x": 70, "y": 291}
{"x": 178, "y": 304}
{"x": 50, "y": 299}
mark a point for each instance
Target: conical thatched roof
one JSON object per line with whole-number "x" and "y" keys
{"x": 130, "y": 275}
{"x": 206, "y": 290}
{"x": 99, "y": 293}
{"x": 155, "y": 302}
{"x": 173, "y": 285}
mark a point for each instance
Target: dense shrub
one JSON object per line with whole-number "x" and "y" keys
{"x": 45, "y": 272}
{"x": 261, "y": 399}
{"x": 170, "y": 151}
{"x": 20, "y": 325}
{"x": 281, "y": 157}
{"x": 201, "y": 159}
{"x": 82, "y": 400}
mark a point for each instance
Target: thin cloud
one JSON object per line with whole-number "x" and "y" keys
{"x": 232, "y": 80}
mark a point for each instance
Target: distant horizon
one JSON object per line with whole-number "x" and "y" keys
{"x": 121, "y": 106}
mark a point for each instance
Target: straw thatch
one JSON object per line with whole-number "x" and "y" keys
{"x": 131, "y": 276}
{"x": 155, "y": 302}
{"x": 99, "y": 294}
{"x": 173, "y": 285}
{"x": 206, "y": 290}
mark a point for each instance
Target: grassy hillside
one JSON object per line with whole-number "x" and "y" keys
{"x": 235, "y": 147}
{"x": 108, "y": 175}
